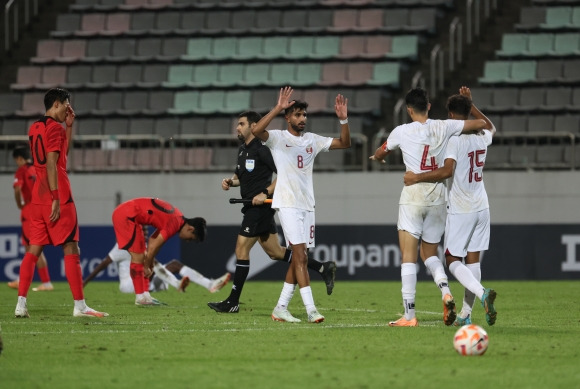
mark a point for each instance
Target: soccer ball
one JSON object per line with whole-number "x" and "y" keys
{"x": 471, "y": 339}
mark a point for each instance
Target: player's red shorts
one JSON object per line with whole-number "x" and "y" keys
{"x": 128, "y": 232}
{"x": 25, "y": 220}
{"x": 43, "y": 231}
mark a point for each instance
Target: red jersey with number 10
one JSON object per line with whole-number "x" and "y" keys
{"x": 47, "y": 135}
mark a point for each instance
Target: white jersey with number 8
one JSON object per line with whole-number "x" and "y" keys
{"x": 294, "y": 159}
{"x": 423, "y": 146}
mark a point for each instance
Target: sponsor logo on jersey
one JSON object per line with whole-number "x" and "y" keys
{"x": 250, "y": 164}
{"x": 309, "y": 150}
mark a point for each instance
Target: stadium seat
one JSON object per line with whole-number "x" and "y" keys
{"x": 325, "y": 47}
{"x": 110, "y": 100}
{"x": 292, "y": 20}
{"x": 236, "y": 101}
{"x": 79, "y": 74}
{"x": 166, "y": 127}
{"x": 549, "y": 71}
{"x": 116, "y": 126}
{"x": 248, "y": 48}
{"x": 48, "y": 48}
{"x": 567, "y": 123}
{"x": 68, "y": 22}
{"x": 366, "y": 101}
{"x": 186, "y": 101}
{"x": 198, "y": 48}
{"x": 205, "y": 75}
{"x": 566, "y": 44}
{"x": 344, "y": 20}
{"x": 266, "y": 21}
{"x": 256, "y": 74}
{"x": 274, "y": 47}
{"x": 99, "y": 47}
{"x": 422, "y": 19}
{"x": 404, "y": 46}
{"x": 530, "y": 99}
{"x": 179, "y": 75}
{"x": 531, "y": 17}
{"x": 118, "y": 22}
{"x": 15, "y": 127}
{"x": 497, "y": 156}
{"x": 571, "y": 71}
{"x": 73, "y": 49}
{"x": 523, "y": 156}
{"x": 263, "y": 99}
{"x": 93, "y": 22}
{"x": 104, "y": 74}
{"x": 229, "y": 74}
{"x": 385, "y": 73}
{"x": 282, "y": 74}
{"x": 148, "y": 47}
{"x": 513, "y": 45}
{"x": 522, "y": 72}
{"x": 122, "y": 159}
{"x": 557, "y": 99}
{"x": 90, "y": 126}
{"x": 160, "y": 100}
{"x": 378, "y": 46}
{"x": 192, "y": 125}
{"x": 316, "y": 99}
{"x": 369, "y": 20}
{"x": 482, "y": 97}
{"x": 224, "y": 158}
{"x": 123, "y": 47}
{"x": 540, "y": 45}
{"x": 11, "y": 102}
{"x": 242, "y": 22}
{"x": 513, "y": 123}
{"x": 143, "y": 21}
{"x": 551, "y": 156}
{"x": 167, "y": 20}
{"x": 211, "y": 101}
{"x": 192, "y": 21}
{"x": 495, "y": 72}
{"x": 300, "y": 47}
{"x": 307, "y": 74}
{"x": 129, "y": 73}
{"x": 218, "y": 125}
{"x": 33, "y": 102}
{"x": 540, "y": 123}
{"x": 216, "y": 21}
{"x": 141, "y": 126}
{"x": 557, "y": 17}
{"x": 174, "y": 47}
{"x": 358, "y": 73}
{"x": 223, "y": 48}
{"x": 352, "y": 46}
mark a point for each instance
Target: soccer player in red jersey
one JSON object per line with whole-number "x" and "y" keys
{"x": 23, "y": 181}
{"x": 128, "y": 221}
{"x": 53, "y": 211}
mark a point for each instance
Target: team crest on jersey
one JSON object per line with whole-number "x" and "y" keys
{"x": 250, "y": 164}
{"x": 309, "y": 150}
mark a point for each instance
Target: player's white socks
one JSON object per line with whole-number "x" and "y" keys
{"x": 165, "y": 275}
{"x": 81, "y": 305}
{"x": 307, "y": 299}
{"x": 438, "y": 272}
{"x": 466, "y": 278}
{"x": 469, "y": 297}
{"x": 195, "y": 276}
{"x": 409, "y": 286}
{"x": 286, "y": 296}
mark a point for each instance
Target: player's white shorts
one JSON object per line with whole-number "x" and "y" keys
{"x": 427, "y": 223}
{"x": 297, "y": 225}
{"x": 467, "y": 232}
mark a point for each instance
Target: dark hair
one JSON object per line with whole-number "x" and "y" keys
{"x": 297, "y": 106}
{"x": 459, "y": 105}
{"x": 198, "y": 223}
{"x": 252, "y": 116}
{"x": 418, "y": 99}
{"x": 21, "y": 151}
{"x": 55, "y": 94}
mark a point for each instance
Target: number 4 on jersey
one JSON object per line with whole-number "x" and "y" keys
{"x": 424, "y": 165}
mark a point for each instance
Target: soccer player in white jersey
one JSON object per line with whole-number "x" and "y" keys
{"x": 294, "y": 151}
{"x": 422, "y": 206}
{"x": 163, "y": 274}
{"x": 467, "y": 227}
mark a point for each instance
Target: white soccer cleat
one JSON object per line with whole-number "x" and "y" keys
{"x": 315, "y": 317}
{"x": 284, "y": 315}
{"x": 88, "y": 312}
{"x": 21, "y": 310}
{"x": 220, "y": 282}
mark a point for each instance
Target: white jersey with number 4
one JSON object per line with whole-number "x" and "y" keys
{"x": 423, "y": 146}
{"x": 465, "y": 189}
{"x": 294, "y": 159}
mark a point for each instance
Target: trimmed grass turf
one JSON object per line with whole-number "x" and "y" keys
{"x": 534, "y": 343}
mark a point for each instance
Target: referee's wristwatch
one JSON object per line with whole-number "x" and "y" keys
{"x": 265, "y": 191}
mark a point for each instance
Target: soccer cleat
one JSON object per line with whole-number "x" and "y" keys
{"x": 285, "y": 316}
{"x": 487, "y": 301}
{"x": 88, "y": 312}
{"x": 461, "y": 321}
{"x": 21, "y": 310}
{"x": 157, "y": 302}
{"x": 224, "y": 307}
{"x": 402, "y": 322}
{"x": 449, "y": 313}
{"x": 328, "y": 275}
{"x": 147, "y": 301}
{"x": 14, "y": 284}
{"x": 183, "y": 284}
{"x": 315, "y": 317}
{"x": 43, "y": 287}
{"x": 220, "y": 283}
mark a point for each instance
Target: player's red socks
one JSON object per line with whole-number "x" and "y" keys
{"x": 74, "y": 275}
{"x": 146, "y": 282}
{"x": 136, "y": 270}
{"x": 26, "y": 273}
{"x": 43, "y": 273}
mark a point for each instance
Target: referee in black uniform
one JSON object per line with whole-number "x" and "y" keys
{"x": 253, "y": 175}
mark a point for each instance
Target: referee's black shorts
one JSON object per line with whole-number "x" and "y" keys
{"x": 258, "y": 221}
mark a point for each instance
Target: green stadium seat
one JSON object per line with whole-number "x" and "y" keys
{"x": 325, "y": 47}
{"x": 198, "y": 48}
{"x": 205, "y": 75}
{"x": 256, "y": 74}
{"x": 557, "y": 17}
{"x": 211, "y": 101}
{"x": 185, "y": 102}
{"x": 249, "y": 47}
{"x": 229, "y": 74}
{"x": 300, "y": 47}
{"x": 179, "y": 75}
{"x": 237, "y": 101}
{"x": 223, "y": 48}
{"x": 522, "y": 71}
{"x": 404, "y": 46}
{"x": 282, "y": 74}
{"x": 307, "y": 74}
{"x": 566, "y": 44}
{"x": 274, "y": 47}
{"x": 540, "y": 44}
{"x": 513, "y": 45}
{"x": 385, "y": 73}
{"x": 575, "y": 17}
{"x": 495, "y": 71}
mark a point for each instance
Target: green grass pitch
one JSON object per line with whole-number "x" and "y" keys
{"x": 534, "y": 344}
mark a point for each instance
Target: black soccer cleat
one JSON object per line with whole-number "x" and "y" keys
{"x": 224, "y": 307}
{"x": 328, "y": 275}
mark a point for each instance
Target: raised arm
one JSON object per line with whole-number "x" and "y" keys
{"x": 436, "y": 175}
{"x": 70, "y": 119}
{"x": 340, "y": 107}
{"x": 475, "y": 112}
{"x": 284, "y": 102}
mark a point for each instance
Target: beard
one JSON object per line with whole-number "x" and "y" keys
{"x": 297, "y": 128}
{"x": 241, "y": 137}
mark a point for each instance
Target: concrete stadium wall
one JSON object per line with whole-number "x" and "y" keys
{"x": 341, "y": 198}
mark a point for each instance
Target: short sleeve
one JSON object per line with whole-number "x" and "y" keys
{"x": 274, "y": 137}
{"x": 452, "y": 148}
{"x": 455, "y": 127}
{"x": 394, "y": 140}
{"x": 487, "y": 135}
